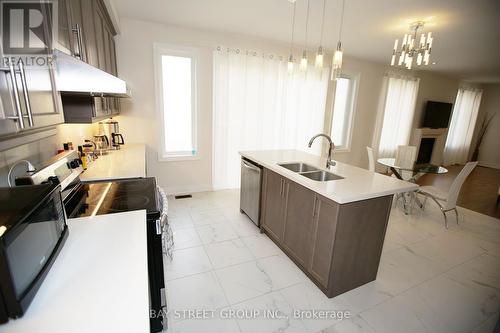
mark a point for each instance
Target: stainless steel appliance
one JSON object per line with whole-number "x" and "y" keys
{"x": 96, "y": 198}
{"x": 76, "y": 77}
{"x": 102, "y": 143}
{"x": 90, "y": 199}
{"x": 28, "y": 98}
{"x": 111, "y": 129}
{"x": 32, "y": 232}
{"x": 251, "y": 178}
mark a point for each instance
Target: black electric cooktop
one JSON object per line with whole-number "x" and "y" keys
{"x": 120, "y": 196}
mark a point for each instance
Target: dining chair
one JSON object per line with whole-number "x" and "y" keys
{"x": 371, "y": 159}
{"x": 447, "y": 201}
{"x": 405, "y": 158}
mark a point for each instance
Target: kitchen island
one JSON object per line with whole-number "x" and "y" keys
{"x": 98, "y": 283}
{"x": 333, "y": 230}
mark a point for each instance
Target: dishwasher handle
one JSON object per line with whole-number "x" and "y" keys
{"x": 250, "y": 166}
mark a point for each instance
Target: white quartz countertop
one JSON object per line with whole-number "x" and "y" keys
{"x": 358, "y": 184}
{"x": 98, "y": 283}
{"x": 127, "y": 162}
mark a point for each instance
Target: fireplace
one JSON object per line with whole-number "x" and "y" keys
{"x": 430, "y": 144}
{"x": 425, "y": 151}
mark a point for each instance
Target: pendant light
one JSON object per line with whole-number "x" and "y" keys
{"x": 303, "y": 60}
{"x": 290, "y": 64}
{"x": 320, "y": 54}
{"x": 337, "y": 56}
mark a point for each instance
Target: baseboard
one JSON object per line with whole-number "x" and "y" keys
{"x": 489, "y": 165}
{"x": 177, "y": 190}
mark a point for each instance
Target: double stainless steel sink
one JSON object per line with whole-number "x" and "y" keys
{"x": 310, "y": 171}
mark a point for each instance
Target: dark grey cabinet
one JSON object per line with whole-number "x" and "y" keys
{"x": 273, "y": 196}
{"x": 65, "y": 33}
{"x": 323, "y": 234}
{"x": 299, "y": 214}
{"x": 88, "y": 33}
{"x": 84, "y": 109}
{"x": 337, "y": 245}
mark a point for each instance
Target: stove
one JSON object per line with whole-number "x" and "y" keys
{"x": 118, "y": 196}
{"x": 97, "y": 198}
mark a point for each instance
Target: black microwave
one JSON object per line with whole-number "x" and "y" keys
{"x": 32, "y": 232}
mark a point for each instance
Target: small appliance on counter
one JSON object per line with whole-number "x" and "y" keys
{"x": 96, "y": 198}
{"x": 111, "y": 129}
{"x": 102, "y": 144}
{"x": 32, "y": 232}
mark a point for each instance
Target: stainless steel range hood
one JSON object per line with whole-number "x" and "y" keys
{"x": 77, "y": 77}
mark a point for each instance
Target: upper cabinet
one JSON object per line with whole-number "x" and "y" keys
{"x": 86, "y": 32}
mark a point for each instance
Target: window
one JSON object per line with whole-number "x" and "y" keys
{"x": 463, "y": 121}
{"x": 343, "y": 112}
{"x": 176, "y": 90}
{"x": 397, "y": 113}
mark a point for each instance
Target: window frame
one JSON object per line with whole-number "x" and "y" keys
{"x": 160, "y": 50}
{"x": 352, "y": 105}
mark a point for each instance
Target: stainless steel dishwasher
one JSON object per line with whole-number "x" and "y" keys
{"x": 251, "y": 178}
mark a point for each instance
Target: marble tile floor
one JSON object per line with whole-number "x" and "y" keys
{"x": 430, "y": 279}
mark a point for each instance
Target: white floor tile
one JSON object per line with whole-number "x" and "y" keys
{"x": 245, "y": 228}
{"x": 206, "y": 217}
{"x": 402, "y": 269}
{"x": 228, "y": 253}
{"x": 351, "y": 325}
{"x": 216, "y": 325}
{"x": 273, "y": 314}
{"x": 456, "y": 304}
{"x": 404, "y": 314}
{"x": 244, "y": 281}
{"x": 365, "y": 297}
{"x": 181, "y": 222}
{"x": 307, "y": 298}
{"x": 430, "y": 279}
{"x": 187, "y": 262}
{"x": 199, "y": 291}
{"x": 185, "y": 238}
{"x": 213, "y": 233}
{"x": 261, "y": 246}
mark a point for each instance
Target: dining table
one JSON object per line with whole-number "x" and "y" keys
{"x": 414, "y": 171}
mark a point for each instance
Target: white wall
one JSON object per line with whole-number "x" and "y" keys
{"x": 139, "y": 121}
{"x": 489, "y": 152}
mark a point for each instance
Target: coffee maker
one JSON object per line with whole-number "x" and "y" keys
{"x": 111, "y": 129}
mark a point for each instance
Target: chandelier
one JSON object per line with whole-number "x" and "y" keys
{"x": 411, "y": 50}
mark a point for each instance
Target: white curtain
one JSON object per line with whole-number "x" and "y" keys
{"x": 397, "y": 115}
{"x": 259, "y": 105}
{"x": 463, "y": 121}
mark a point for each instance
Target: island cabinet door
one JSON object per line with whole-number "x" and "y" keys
{"x": 273, "y": 203}
{"x": 299, "y": 214}
{"x": 323, "y": 235}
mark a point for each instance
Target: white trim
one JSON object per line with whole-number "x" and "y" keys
{"x": 160, "y": 49}
{"x": 489, "y": 164}
{"x": 179, "y": 190}
{"x": 352, "y": 99}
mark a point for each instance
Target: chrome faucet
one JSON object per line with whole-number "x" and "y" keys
{"x": 329, "y": 161}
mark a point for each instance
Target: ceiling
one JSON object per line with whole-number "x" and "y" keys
{"x": 466, "y": 32}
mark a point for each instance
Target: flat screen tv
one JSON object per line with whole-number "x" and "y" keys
{"x": 437, "y": 114}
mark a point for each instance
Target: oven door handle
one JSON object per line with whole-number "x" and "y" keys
{"x": 158, "y": 227}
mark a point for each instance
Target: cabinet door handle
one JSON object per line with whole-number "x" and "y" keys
{"x": 24, "y": 84}
{"x": 17, "y": 102}
{"x": 281, "y": 187}
{"x": 77, "y": 30}
{"x": 314, "y": 206}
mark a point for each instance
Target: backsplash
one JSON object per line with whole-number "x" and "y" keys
{"x": 39, "y": 151}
